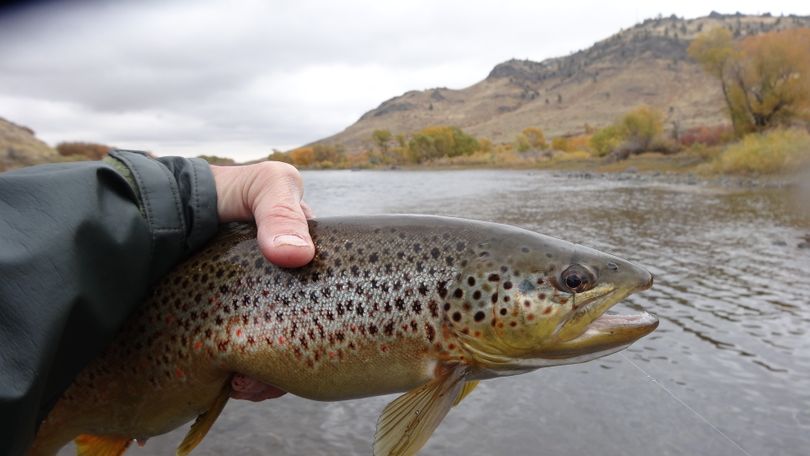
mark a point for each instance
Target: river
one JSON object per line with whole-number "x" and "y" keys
{"x": 726, "y": 373}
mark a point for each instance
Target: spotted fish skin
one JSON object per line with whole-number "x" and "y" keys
{"x": 387, "y": 304}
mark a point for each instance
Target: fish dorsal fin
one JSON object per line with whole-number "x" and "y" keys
{"x": 407, "y": 423}
{"x": 204, "y": 422}
{"x": 465, "y": 391}
{"x": 94, "y": 445}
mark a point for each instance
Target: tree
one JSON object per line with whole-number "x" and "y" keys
{"x": 536, "y": 138}
{"x": 303, "y": 156}
{"x": 714, "y": 50}
{"x": 640, "y": 126}
{"x": 606, "y": 140}
{"x": 522, "y": 142}
{"x": 381, "y": 138}
{"x": 765, "y": 78}
{"x": 772, "y": 78}
{"x": 440, "y": 141}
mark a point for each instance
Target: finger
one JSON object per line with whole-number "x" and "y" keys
{"x": 308, "y": 212}
{"x": 283, "y": 232}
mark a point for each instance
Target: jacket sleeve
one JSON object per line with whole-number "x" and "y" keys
{"x": 80, "y": 246}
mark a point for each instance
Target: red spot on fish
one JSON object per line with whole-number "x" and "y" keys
{"x": 281, "y": 340}
{"x": 513, "y": 324}
{"x": 198, "y": 345}
{"x": 530, "y": 317}
{"x": 239, "y": 332}
{"x": 547, "y": 310}
{"x": 383, "y": 348}
{"x": 179, "y": 373}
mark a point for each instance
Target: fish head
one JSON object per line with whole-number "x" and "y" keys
{"x": 545, "y": 303}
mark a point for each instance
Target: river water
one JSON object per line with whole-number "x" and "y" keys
{"x": 726, "y": 373}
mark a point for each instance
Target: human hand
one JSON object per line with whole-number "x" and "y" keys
{"x": 271, "y": 194}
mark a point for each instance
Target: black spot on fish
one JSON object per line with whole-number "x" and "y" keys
{"x": 430, "y": 332}
{"x": 456, "y": 316}
{"x": 423, "y": 289}
{"x": 434, "y": 308}
{"x": 442, "y": 289}
{"x": 459, "y": 293}
{"x": 477, "y": 294}
{"x": 435, "y": 252}
{"x": 373, "y": 257}
{"x": 494, "y": 278}
{"x": 416, "y": 307}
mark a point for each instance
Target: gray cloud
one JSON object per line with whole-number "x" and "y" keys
{"x": 242, "y": 77}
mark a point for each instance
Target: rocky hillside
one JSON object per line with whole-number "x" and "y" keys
{"x": 646, "y": 64}
{"x": 19, "y": 147}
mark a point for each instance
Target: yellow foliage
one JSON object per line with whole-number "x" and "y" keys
{"x": 303, "y": 156}
{"x": 561, "y": 143}
{"x": 575, "y": 155}
{"x": 765, "y": 78}
{"x": 535, "y": 137}
{"x": 772, "y": 152}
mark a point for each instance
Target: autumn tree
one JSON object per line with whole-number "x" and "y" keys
{"x": 278, "y": 155}
{"x": 772, "y": 80}
{"x": 440, "y": 141}
{"x": 764, "y": 78}
{"x": 381, "y": 138}
{"x": 303, "y": 156}
{"x": 536, "y": 138}
{"x": 640, "y": 126}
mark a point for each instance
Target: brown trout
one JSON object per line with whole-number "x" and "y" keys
{"x": 416, "y": 304}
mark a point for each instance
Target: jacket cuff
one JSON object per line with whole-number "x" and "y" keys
{"x": 177, "y": 197}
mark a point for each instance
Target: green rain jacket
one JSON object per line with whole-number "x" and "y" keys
{"x": 80, "y": 246}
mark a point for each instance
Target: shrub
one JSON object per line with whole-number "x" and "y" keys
{"x": 440, "y": 141}
{"x": 535, "y": 137}
{"x": 639, "y": 127}
{"x": 606, "y": 140}
{"x": 708, "y": 136}
{"x": 522, "y": 143}
{"x": 772, "y": 152}
{"x": 560, "y": 143}
{"x": 278, "y": 155}
{"x": 90, "y": 151}
{"x": 215, "y": 160}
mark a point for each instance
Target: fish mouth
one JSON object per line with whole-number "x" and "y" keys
{"x": 594, "y": 331}
{"x": 609, "y": 332}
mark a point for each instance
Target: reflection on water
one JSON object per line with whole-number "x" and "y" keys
{"x": 731, "y": 291}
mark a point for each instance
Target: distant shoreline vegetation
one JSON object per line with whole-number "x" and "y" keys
{"x": 765, "y": 82}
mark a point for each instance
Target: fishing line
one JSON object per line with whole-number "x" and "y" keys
{"x": 677, "y": 399}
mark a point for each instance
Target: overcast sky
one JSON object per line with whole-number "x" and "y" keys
{"x": 239, "y": 78}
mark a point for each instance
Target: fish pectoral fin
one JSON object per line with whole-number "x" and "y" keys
{"x": 407, "y": 423}
{"x": 465, "y": 391}
{"x": 204, "y": 422}
{"x": 95, "y": 445}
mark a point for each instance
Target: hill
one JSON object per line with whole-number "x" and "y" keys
{"x": 646, "y": 64}
{"x": 20, "y": 147}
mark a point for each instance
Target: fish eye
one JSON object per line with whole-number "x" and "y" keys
{"x": 577, "y": 279}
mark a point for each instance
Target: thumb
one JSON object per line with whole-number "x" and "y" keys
{"x": 283, "y": 232}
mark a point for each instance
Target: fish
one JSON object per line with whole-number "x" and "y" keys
{"x": 426, "y": 306}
